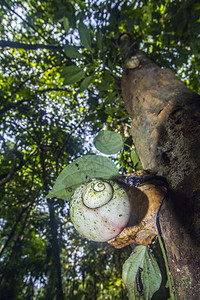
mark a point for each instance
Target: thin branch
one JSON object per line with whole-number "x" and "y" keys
{"x": 22, "y": 83}
{"x": 14, "y": 227}
{"x": 60, "y": 49}
{"x": 11, "y": 105}
{"x": 10, "y": 172}
{"x": 16, "y": 247}
{"x": 27, "y": 23}
{"x": 9, "y": 44}
{"x": 14, "y": 168}
{"x": 54, "y": 90}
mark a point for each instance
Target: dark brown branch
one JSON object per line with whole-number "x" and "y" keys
{"x": 54, "y": 90}
{"x": 9, "y": 44}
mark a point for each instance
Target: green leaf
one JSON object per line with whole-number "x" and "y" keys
{"x": 74, "y": 78}
{"x": 138, "y": 166}
{"x": 72, "y": 74}
{"x": 66, "y": 24}
{"x": 141, "y": 274}
{"x": 85, "y": 83}
{"x": 196, "y": 6}
{"x": 108, "y": 142}
{"x": 103, "y": 86}
{"x": 111, "y": 97}
{"x": 107, "y": 76}
{"x": 70, "y": 70}
{"x": 79, "y": 171}
{"x": 135, "y": 159}
{"x": 72, "y": 52}
{"x": 84, "y": 36}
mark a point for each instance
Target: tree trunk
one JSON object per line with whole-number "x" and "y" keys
{"x": 56, "y": 263}
{"x": 166, "y": 133}
{"x": 55, "y": 252}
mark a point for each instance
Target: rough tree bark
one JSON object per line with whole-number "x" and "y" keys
{"x": 166, "y": 133}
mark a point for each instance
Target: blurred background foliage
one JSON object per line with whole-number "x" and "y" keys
{"x": 60, "y": 70}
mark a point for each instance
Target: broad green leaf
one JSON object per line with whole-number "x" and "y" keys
{"x": 108, "y": 142}
{"x": 84, "y": 36}
{"x": 73, "y": 78}
{"x": 72, "y": 52}
{"x": 85, "y": 83}
{"x": 141, "y": 274}
{"x": 69, "y": 70}
{"x": 79, "y": 171}
{"x": 72, "y": 74}
{"x": 66, "y": 24}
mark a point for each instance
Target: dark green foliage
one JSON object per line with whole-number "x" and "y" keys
{"x": 46, "y": 115}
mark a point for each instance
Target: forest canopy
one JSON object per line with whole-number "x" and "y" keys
{"x": 60, "y": 72}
